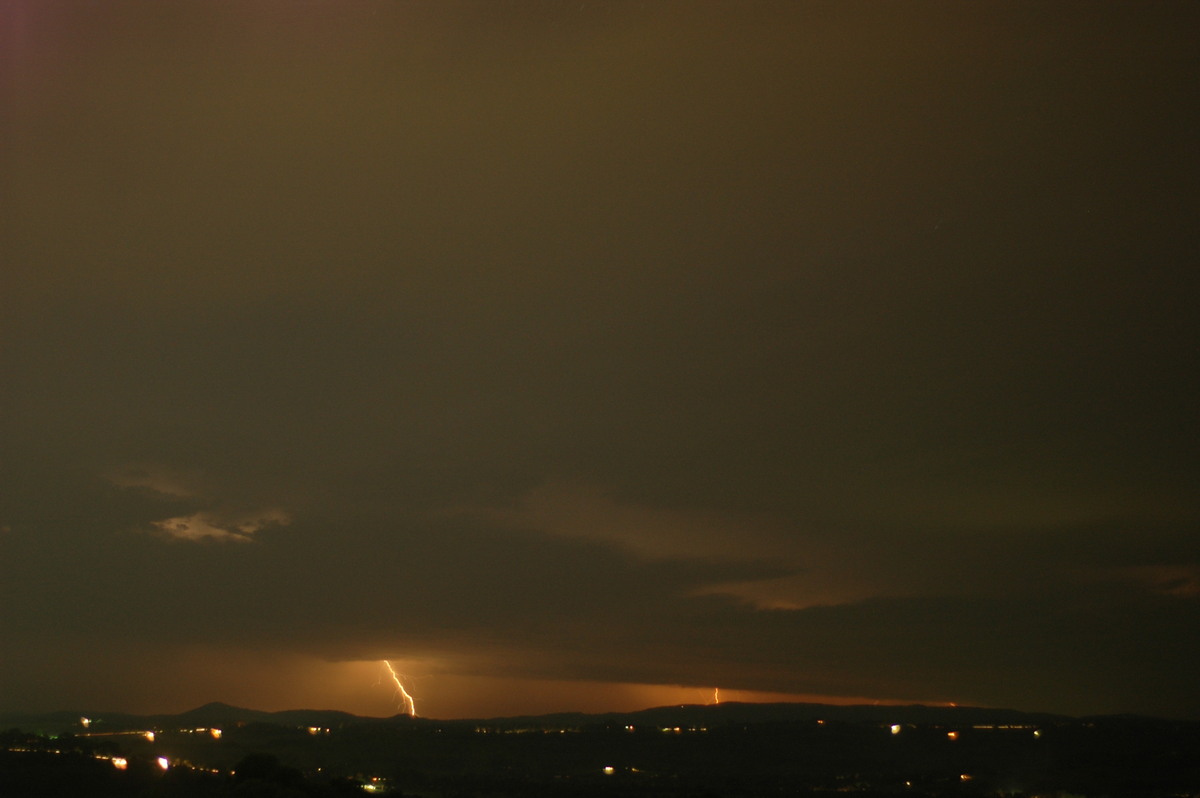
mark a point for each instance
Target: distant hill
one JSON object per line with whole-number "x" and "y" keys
{"x": 220, "y": 715}
{"x": 743, "y": 713}
{"x": 212, "y": 715}
{"x": 217, "y": 714}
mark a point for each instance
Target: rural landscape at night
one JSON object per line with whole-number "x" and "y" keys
{"x": 601, "y": 398}
{"x": 693, "y": 750}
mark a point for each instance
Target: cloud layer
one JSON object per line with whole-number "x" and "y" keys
{"x": 789, "y": 347}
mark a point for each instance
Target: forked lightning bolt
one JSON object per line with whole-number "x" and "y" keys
{"x": 410, "y": 706}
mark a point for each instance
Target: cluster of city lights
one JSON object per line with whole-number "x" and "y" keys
{"x": 164, "y": 763}
{"x": 896, "y": 728}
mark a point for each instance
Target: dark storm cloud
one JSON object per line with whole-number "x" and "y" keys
{"x": 812, "y": 347}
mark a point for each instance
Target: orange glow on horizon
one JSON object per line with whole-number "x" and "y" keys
{"x": 274, "y": 681}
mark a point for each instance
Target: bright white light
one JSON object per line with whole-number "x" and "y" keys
{"x": 163, "y": 762}
{"x": 120, "y": 763}
{"x": 608, "y": 770}
{"x": 895, "y": 728}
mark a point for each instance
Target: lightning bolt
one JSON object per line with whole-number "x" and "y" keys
{"x": 410, "y": 706}
{"x": 716, "y": 695}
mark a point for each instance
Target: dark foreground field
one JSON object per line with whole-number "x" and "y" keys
{"x": 726, "y": 750}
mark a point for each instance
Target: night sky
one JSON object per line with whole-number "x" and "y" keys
{"x": 592, "y": 355}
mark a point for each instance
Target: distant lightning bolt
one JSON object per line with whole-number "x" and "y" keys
{"x": 716, "y": 695}
{"x": 410, "y": 706}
